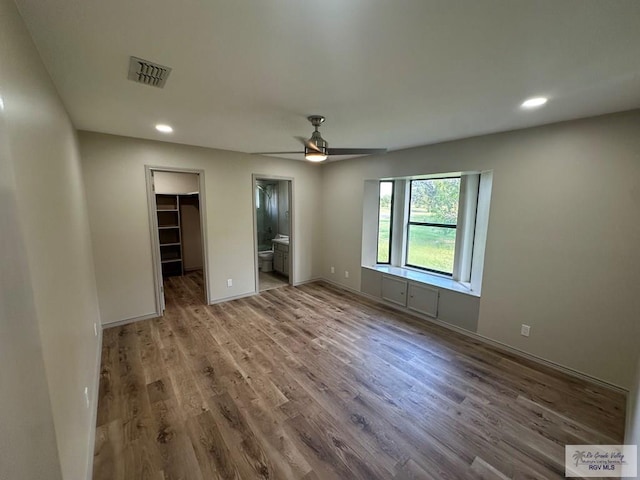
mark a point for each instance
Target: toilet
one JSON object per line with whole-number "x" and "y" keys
{"x": 265, "y": 260}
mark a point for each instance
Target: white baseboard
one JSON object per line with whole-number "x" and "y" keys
{"x": 311, "y": 280}
{"x": 236, "y": 297}
{"x": 542, "y": 361}
{"x": 94, "y": 407}
{"x": 494, "y": 343}
{"x": 126, "y": 321}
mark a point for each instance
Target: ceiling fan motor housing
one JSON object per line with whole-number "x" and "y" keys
{"x": 316, "y": 148}
{"x": 316, "y": 120}
{"x": 319, "y": 142}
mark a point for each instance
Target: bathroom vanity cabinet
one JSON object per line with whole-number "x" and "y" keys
{"x": 281, "y": 258}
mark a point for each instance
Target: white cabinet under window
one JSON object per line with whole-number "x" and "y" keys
{"x": 420, "y": 298}
{"x": 394, "y": 290}
{"x": 423, "y": 299}
{"x": 437, "y": 301}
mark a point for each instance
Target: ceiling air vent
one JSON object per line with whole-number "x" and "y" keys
{"x": 148, "y": 73}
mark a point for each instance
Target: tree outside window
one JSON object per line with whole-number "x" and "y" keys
{"x": 385, "y": 209}
{"x": 431, "y": 230}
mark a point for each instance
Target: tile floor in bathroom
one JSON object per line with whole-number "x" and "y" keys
{"x": 269, "y": 280}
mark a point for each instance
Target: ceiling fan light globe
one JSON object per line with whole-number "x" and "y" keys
{"x": 315, "y": 157}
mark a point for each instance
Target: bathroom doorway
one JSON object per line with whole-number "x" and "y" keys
{"x": 273, "y": 239}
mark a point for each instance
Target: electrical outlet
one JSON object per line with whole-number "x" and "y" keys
{"x": 86, "y": 395}
{"x": 229, "y": 282}
{"x": 333, "y": 269}
{"x": 525, "y": 330}
{"x": 346, "y": 274}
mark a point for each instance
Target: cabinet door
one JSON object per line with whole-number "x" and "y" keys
{"x": 423, "y": 299}
{"x": 285, "y": 264}
{"x": 278, "y": 262}
{"x": 394, "y": 290}
{"x": 371, "y": 282}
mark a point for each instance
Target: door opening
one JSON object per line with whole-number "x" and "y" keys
{"x": 177, "y": 218}
{"x": 273, "y": 239}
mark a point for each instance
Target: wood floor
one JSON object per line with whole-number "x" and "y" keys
{"x": 314, "y": 383}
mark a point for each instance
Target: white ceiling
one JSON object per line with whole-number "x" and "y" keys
{"x": 385, "y": 73}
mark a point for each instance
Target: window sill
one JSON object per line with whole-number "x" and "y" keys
{"x": 426, "y": 278}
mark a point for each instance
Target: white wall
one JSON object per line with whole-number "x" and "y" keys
{"x": 283, "y": 207}
{"x": 561, "y": 251}
{"x": 191, "y": 232}
{"x": 26, "y": 416}
{"x": 175, "y": 183}
{"x": 632, "y": 430}
{"x": 48, "y": 301}
{"x": 113, "y": 169}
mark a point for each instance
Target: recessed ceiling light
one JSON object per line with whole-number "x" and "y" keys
{"x": 534, "y": 102}
{"x": 164, "y": 128}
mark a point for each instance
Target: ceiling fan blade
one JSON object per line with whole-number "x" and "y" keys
{"x": 312, "y": 146}
{"x": 275, "y": 153}
{"x": 309, "y": 144}
{"x": 316, "y": 148}
{"x": 356, "y": 151}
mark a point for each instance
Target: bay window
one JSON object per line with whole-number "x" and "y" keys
{"x": 434, "y": 224}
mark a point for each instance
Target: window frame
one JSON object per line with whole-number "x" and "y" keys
{"x": 409, "y": 223}
{"x": 391, "y": 208}
{"x": 471, "y": 237}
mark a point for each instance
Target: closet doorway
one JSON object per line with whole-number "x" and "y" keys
{"x": 178, "y": 225}
{"x": 273, "y": 229}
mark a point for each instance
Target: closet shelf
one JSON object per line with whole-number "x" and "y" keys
{"x": 169, "y": 234}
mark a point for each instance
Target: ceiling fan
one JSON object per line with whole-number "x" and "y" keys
{"x": 316, "y": 148}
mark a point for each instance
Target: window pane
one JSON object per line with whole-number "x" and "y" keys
{"x": 431, "y": 247}
{"x": 384, "y": 222}
{"x": 435, "y": 200}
